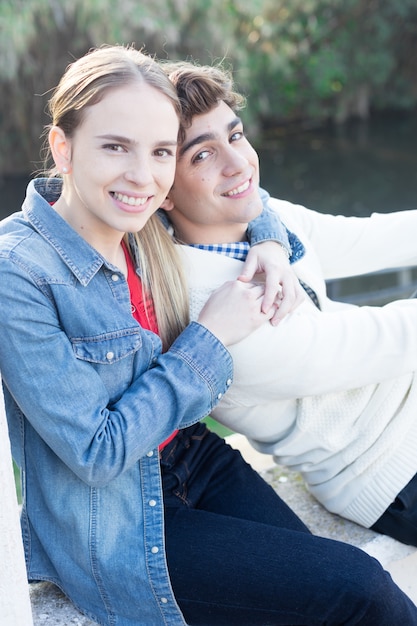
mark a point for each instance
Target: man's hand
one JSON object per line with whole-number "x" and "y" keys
{"x": 282, "y": 288}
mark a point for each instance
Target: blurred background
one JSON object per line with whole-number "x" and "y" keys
{"x": 331, "y": 85}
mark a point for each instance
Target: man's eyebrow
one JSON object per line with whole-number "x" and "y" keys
{"x": 206, "y": 137}
{"x": 194, "y": 142}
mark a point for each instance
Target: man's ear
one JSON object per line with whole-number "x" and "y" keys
{"x": 167, "y": 204}
{"x": 60, "y": 148}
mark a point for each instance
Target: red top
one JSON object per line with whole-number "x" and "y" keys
{"x": 144, "y": 315}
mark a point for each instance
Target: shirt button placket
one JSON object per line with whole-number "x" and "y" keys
{"x": 154, "y": 530}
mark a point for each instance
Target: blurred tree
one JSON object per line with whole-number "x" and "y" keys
{"x": 333, "y": 58}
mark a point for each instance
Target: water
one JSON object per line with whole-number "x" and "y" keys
{"x": 350, "y": 170}
{"x": 12, "y": 193}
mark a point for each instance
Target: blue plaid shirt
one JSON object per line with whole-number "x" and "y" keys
{"x": 238, "y": 250}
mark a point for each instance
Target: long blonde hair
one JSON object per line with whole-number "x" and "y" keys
{"x": 163, "y": 278}
{"x": 84, "y": 83}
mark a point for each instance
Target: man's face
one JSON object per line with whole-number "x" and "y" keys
{"x": 215, "y": 192}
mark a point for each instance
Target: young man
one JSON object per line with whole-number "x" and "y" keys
{"x": 332, "y": 390}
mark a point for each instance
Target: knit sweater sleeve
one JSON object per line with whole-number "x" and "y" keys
{"x": 351, "y": 246}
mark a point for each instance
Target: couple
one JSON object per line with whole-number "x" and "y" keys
{"x": 131, "y": 506}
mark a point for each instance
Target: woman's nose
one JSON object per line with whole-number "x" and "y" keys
{"x": 139, "y": 171}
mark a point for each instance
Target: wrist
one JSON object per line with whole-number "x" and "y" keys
{"x": 284, "y": 249}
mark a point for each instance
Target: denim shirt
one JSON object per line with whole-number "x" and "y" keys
{"x": 269, "y": 226}
{"x": 89, "y": 396}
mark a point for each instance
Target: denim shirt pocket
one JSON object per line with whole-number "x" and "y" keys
{"x": 107, "y": 348}
{"x": 113, "y": 356}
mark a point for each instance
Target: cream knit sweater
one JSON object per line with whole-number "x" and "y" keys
{"x": 330, "y": 393}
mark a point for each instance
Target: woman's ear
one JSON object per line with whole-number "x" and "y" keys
{"x": 60, "y": 149}
{"x": 167, "y": 204}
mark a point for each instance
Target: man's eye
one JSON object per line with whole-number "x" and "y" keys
{"x": 238, "y": 134}
{"x": 201, "y": 156}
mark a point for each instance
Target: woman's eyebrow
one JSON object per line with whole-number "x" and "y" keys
{"x": 116, "y": 139}
{"x": 132, "y": 142}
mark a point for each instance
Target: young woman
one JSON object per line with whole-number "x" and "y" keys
{"x": 94, "y": 405}
{"x": 333, "y": 392}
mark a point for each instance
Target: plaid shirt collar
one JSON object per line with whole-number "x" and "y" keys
{"x": 238, "y": 250}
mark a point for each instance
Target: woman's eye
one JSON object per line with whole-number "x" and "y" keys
{"x": 164, "y": 152}
{"x": 113, "y": 147}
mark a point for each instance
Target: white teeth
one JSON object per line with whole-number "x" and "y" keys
{"x": 131, "y": 200}
{"x": 243, "y": 187}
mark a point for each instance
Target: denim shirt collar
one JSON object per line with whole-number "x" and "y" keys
{"x": 81, "y": 258}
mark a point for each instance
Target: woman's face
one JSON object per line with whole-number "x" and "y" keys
{"x": 121, "y": 163}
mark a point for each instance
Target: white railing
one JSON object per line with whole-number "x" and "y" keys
{"x": 376, "y": 288}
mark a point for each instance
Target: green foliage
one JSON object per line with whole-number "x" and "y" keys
{"x": 16, "y": 472}
{"x": 298, "y": 60}
{"x": 332, "y": 59}
{"x": 217, "y": 428}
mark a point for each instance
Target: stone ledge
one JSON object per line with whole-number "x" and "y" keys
{"x": 290, "y": 486}
{"x": 50, "y": 607}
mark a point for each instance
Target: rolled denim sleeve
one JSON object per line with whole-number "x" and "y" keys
{"x": 267, "y": 226}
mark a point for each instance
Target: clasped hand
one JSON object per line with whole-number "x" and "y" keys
{"x": 268, "y": 261}
{"x": 234, "y": 311}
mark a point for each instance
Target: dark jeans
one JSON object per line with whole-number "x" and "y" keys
{"x": 237, "y": 555}
{"x": 400, "y": 518}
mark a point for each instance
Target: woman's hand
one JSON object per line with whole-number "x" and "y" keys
{"x": 234, "y": 311}
{"x": 282, "y": 288}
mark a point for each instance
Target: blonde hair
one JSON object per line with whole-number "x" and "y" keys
{"x": 163, "y": 278}
{"x": 84, "y": 83}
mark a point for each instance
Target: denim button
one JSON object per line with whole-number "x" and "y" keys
{"x": 110, "y": 356}
{"x": 155, "y": 550}
{"x": 219, "y": 395}
{"x": 228, "y": 382}
{"x": 152, "y": 502}
{"x": 164, "y": 600}
{"x": 150, "y": 453}
{"x": 115, "y": 277}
